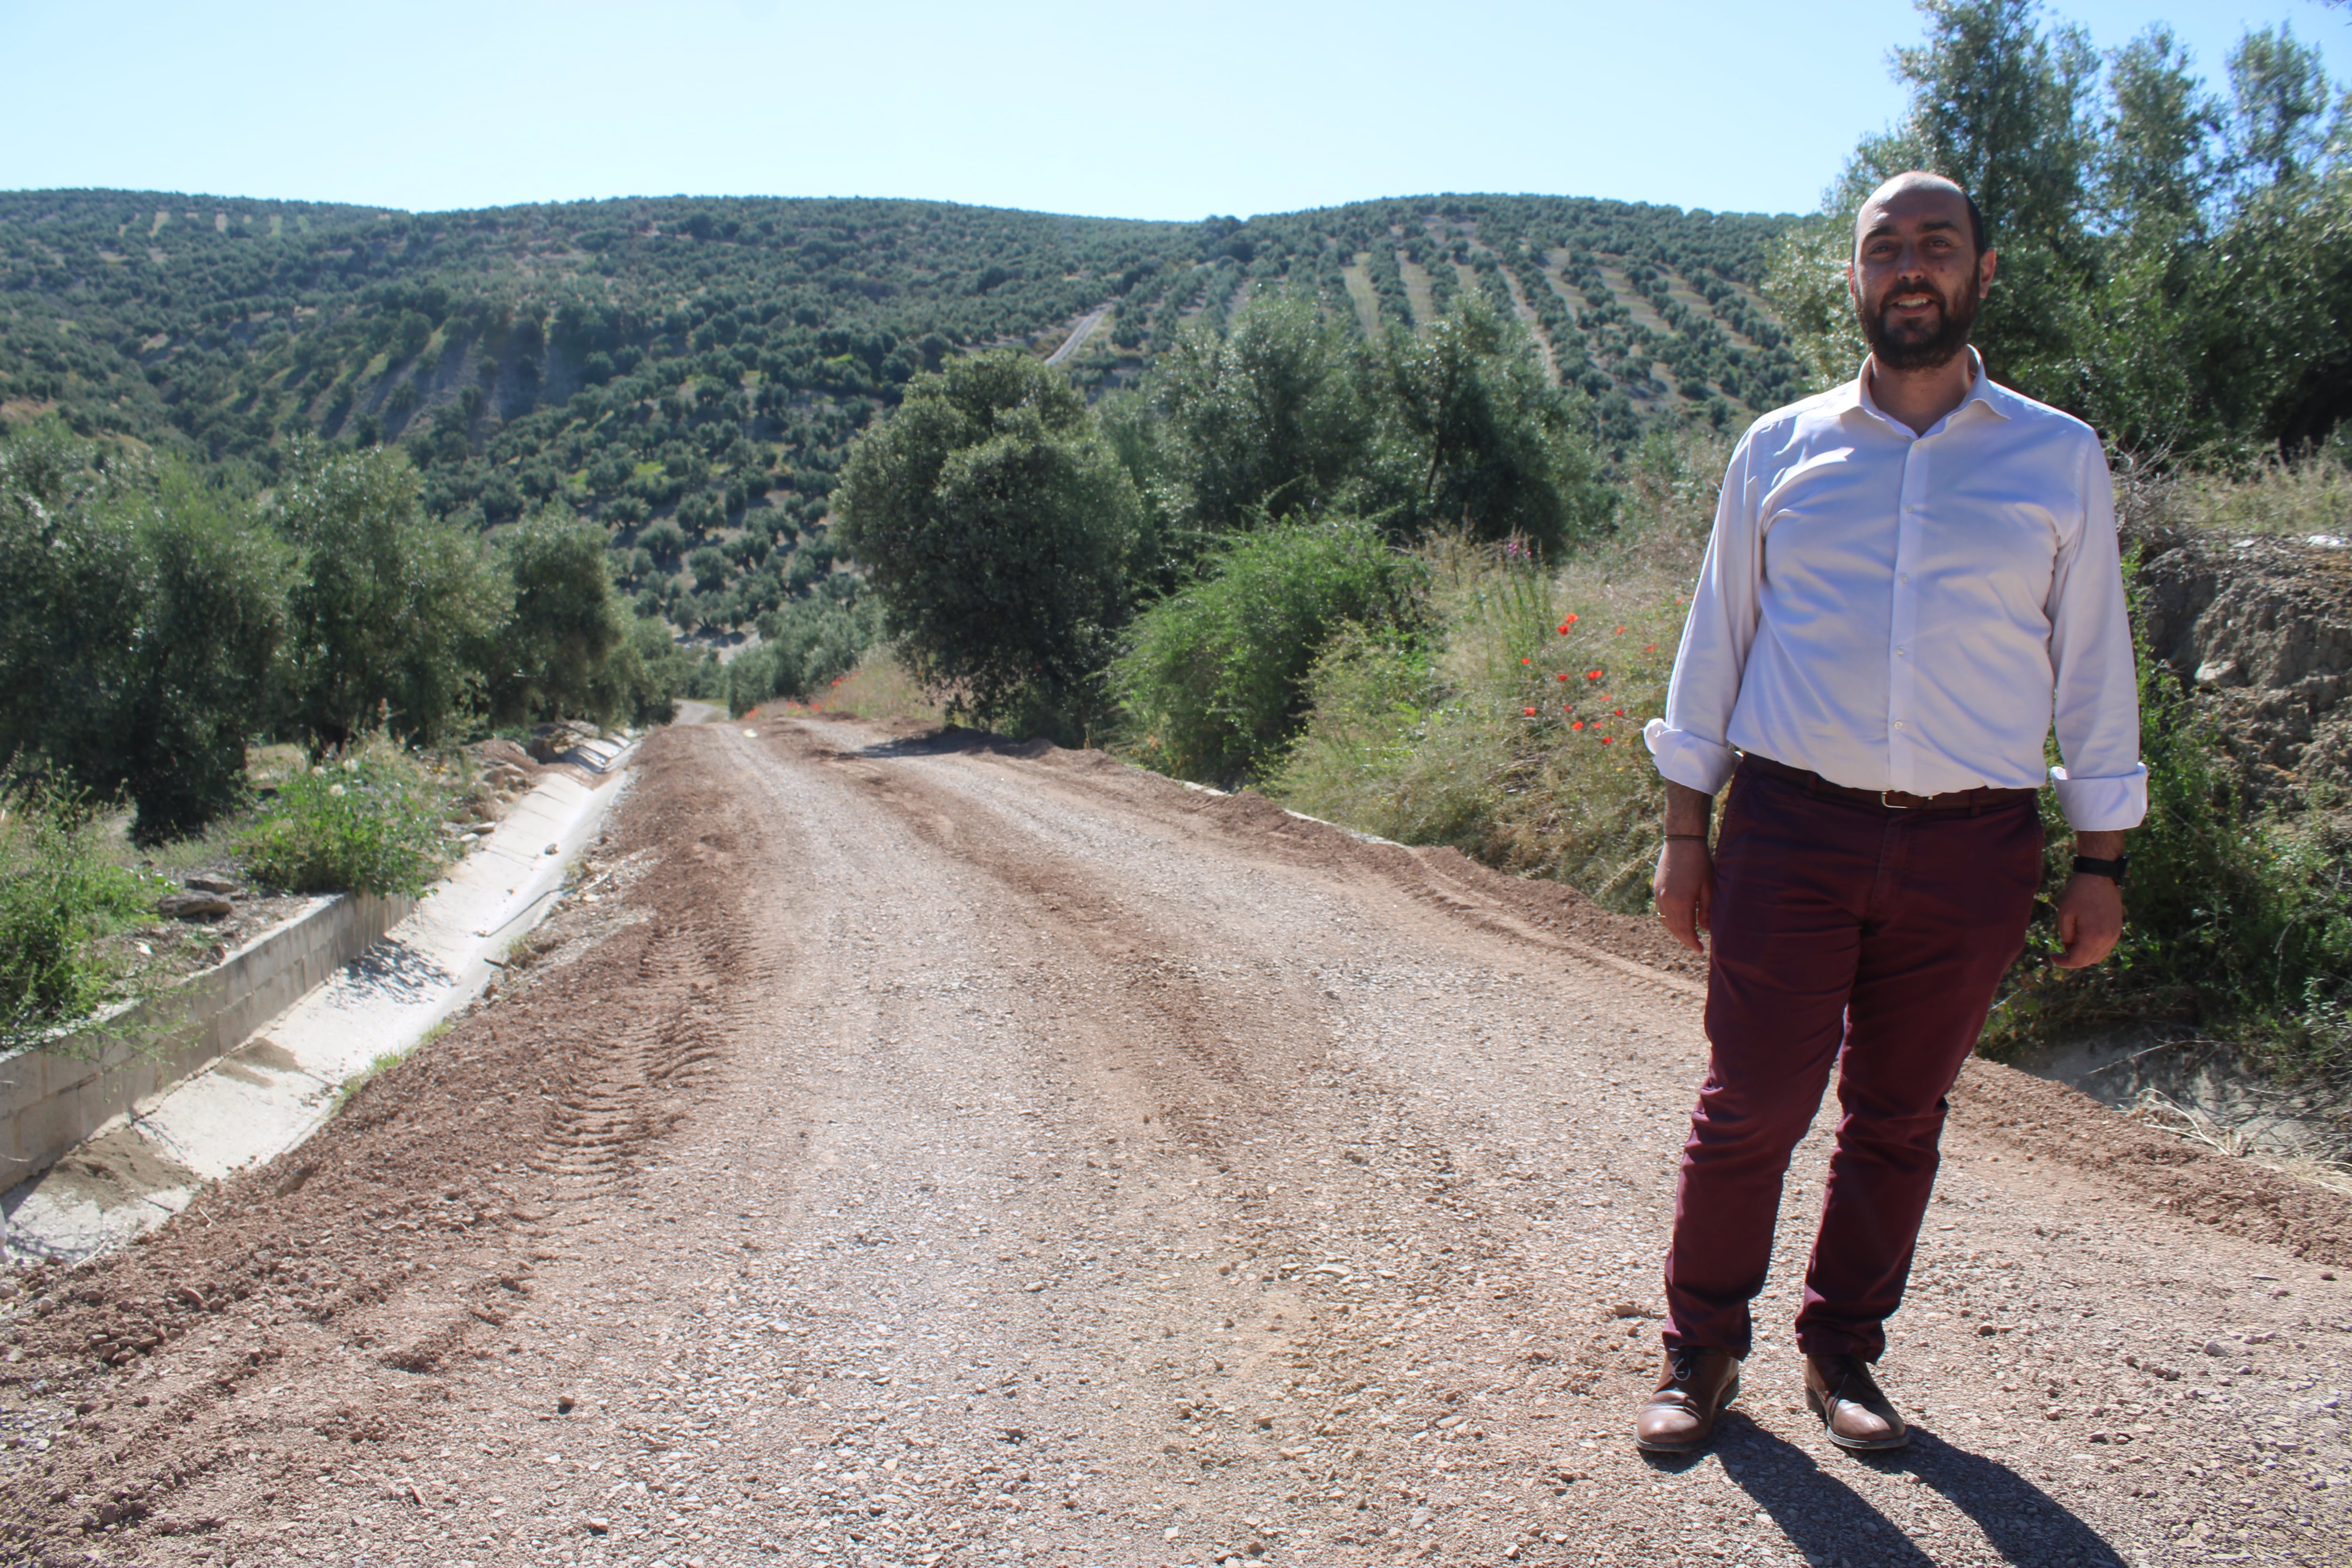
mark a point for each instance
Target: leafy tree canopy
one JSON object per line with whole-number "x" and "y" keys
{"x": 2176, "y": 261}
{"x": 997, "y": 526}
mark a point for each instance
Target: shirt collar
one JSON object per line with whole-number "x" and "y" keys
{"x": 1997, "y": 399}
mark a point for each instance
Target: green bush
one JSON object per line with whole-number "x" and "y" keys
{"x": 1514, "y": 736}
{"x": 809, "y": 643}
{"x": 1210, "y": 687}
{"x": 368, "y": 822}
{"x": 58, "y": 898}
{"x": 640, "y": 681}
{"x": 2240, "y": 923}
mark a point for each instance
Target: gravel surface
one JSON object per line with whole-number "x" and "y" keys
{"x": 923, "y": 1152}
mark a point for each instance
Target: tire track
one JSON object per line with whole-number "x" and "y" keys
{"x": 455, "y": 1161}
{"x": 1140, "y": 959}
{"x": 954, "y": 1154}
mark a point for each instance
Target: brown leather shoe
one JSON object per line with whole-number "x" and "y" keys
{"x": 1693, "y": 1388}
{"x": 1858, "y": 1418}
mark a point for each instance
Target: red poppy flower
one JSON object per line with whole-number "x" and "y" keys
{"x": 1577, "y": 725}
{"x": 1528, "y": 712}
{"x": 1591, "y": 675}
{"x": 1619, "y": 632}
{"x": 1652, "y": 649}
{"x": 1565, "y": 624}
{"x": 1605, "y": 739}
{"x": 1526, "y": 661}
{"x": 1564, "y": 675}
{"x": 1619, "y": 713}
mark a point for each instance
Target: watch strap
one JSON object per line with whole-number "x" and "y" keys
{"x": 2112, "y": 870}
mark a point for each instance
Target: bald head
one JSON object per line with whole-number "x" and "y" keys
{"x": 1931, "y": 201}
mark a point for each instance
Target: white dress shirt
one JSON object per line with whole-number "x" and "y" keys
{"x": 1911, "y": 612}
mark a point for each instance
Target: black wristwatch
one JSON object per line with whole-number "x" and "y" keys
{"x": 2112, "y": 870}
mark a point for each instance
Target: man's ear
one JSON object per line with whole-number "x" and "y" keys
{"x": 1985, "y": 267}
{"x": 1853, "y": 285}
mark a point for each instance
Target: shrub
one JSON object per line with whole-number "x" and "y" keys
{"x": 2238, "y": 923}
{"x": 58, "y": 898}
{"x": 1516, "y": 738}
{"x": 809, "y": 643}
{"x": 640, "y": 681}
{"x": 1211, "y": 686}
{"x": 366, "y": 821}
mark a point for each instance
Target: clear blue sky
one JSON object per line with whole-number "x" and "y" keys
{"x": 1163, "y": 111}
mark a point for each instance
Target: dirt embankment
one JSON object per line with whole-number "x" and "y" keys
{"x": 948, "y": 1153}
{"x": 2263, "y": 628}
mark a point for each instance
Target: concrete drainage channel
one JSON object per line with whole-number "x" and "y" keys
{"x": 119, "y": 1142}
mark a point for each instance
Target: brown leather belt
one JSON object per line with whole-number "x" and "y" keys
{"x": 1971, "y": 800}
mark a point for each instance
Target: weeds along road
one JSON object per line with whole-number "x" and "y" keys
{"x": 917, "y": 1154}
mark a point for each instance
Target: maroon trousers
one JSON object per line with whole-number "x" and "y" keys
{"x": 1866, "y": 936}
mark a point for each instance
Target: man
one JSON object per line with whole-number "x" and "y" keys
{"x": 1909, "y": 578}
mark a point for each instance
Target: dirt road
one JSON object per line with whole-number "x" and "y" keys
{"x": 919, "y": 1152}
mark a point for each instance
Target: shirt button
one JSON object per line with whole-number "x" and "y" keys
{"x": 1903, "y": 577}
{"x": 1898, "y": 723}
{"x": 1901, "y": 652}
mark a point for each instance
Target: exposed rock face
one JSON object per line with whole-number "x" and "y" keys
{"x": 194, "y": 906}
{"x": 2264, "y": 628}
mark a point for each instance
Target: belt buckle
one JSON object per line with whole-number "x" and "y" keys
{"x": 1896, "y": 805}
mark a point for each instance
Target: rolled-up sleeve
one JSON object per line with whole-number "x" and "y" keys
{"x": 1690, "y": 744}
{"x": 2103, "y": 784}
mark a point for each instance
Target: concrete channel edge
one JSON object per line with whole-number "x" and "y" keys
{"x": 103, "y": 1146}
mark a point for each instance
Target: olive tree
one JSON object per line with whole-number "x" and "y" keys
{"x": 390, "y": 608}
{"x": 996, "y": 525}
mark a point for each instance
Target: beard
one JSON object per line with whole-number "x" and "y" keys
{"x": 1924, "y": 346}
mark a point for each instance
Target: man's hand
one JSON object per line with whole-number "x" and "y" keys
{"x": 1684, "y": 885}
{"x": 2090, "y": 910}
{"x": 1684, "y": 888}
{"x": 2090, "y": 918}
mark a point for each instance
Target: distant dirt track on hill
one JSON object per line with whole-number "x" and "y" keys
{"x": 931, "y": 1151}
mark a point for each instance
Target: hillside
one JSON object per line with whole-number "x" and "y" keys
{"x": 687, "y": 371}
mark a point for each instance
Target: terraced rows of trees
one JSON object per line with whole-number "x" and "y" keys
{"x": 687, "y": 373}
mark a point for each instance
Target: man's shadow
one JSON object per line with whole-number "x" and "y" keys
{"x": 1830, "y": 1522}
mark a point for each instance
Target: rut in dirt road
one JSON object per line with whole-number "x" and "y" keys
{"x": 944, "y": 1153}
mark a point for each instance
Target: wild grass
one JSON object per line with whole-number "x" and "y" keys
{"x": 2270, "y": 498}
{"x": 380, "y": 1064}
{"x": 1517, "y": 737}
{"x": 367, "y": 821}
{"x": 1512, "y": 730}
{"x": 59, "y": 898}
{"x": 879, "y": 689}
